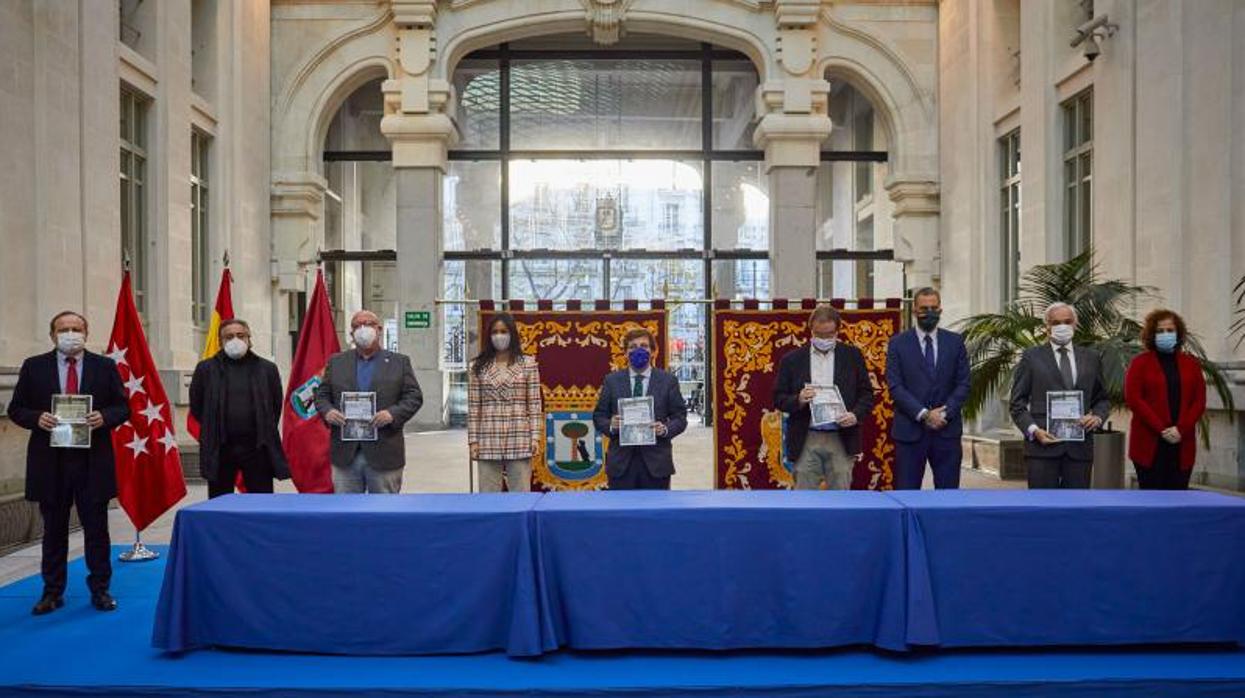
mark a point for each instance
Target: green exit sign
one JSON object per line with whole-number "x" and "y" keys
{"x": 417, "y": 320}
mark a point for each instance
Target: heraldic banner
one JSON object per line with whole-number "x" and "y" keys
{"x": 575, "y": 349}
{"x": 748, "y": 344}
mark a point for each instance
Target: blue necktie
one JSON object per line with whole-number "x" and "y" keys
{"x": 930, "y": 364}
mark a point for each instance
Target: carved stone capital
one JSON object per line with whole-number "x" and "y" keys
{"x": 914, "y": 198}
{"x": 414, "y": 12}
{"x": 792, "y": 140}
{"x": 297, "y": 194}
{"x": 419, "y": 140}
{"x": 605, "y": 19}
{"x": 796, "y": 13}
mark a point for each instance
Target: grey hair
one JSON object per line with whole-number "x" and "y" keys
{"x": 1059, "y": 305}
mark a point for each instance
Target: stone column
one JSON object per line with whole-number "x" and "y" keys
{"x": 792, "y": 144}
{"x": 297, "y": 205}
{"x": 916, "y": 231}
{"x": 795, "y": 120}
{"x": 418, "y": 124}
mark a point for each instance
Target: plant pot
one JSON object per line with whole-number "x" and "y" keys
{"x": 1108, "y": 469}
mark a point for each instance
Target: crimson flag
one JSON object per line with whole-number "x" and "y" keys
{"x": 304, "y": 435}
{"x": 221, "y": 312}
{"x": 149, "y": 466}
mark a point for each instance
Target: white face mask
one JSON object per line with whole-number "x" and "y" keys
{"x": 1062, "y": 334}
{"x": 501, "y": 342}
{"x": 823, "y": 344}
{"x": 235, "y": 348}
{"x": 70, "y": 342}
{"x": 364, "y": 336}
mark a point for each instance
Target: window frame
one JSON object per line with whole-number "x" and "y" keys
{"x": 1078, "y": 155}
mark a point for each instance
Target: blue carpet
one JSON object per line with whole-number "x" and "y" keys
{"x": 78, "y": 651}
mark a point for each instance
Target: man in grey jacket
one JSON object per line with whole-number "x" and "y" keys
{"x": 369, "y": 466}
{"x": 1057, "y": 365}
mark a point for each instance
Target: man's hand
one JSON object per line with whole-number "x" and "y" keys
{"x": 616, "y": 422}
{"x": 660, "y": 428}
{"x": 847, "y": 420}
{"x": 47, "y": 421}
{"x": 936, "y": 418}
{"x": 382, "y": 419}
{"x": 536, "y": 443}
{"x": 1044, "y": 437}
{"x": 806, "y": 395}
{"x": 335, "y": 417}
{"x": 95, "y": 419}
{"x": 1171, "y": 435}
{"x": 1091, "y": 422}
{"x": 475, "y": 451}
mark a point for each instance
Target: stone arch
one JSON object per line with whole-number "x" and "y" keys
{"x": 480, "y": 26}
{"x": 313, "y": 92}
{"x": 905, "y": 109}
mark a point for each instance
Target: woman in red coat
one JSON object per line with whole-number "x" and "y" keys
{"x": 1166, "y": 392}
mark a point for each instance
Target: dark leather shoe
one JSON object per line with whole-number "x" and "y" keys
{"x": 47, "y": 604}
{"x": 103, "y": 601}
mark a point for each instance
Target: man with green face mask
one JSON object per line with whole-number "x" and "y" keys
{"x": 927, "y": 371}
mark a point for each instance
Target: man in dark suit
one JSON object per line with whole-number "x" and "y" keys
{"x": 60, "y": 478}
{"x": 641, "y": 467}
{"x": 1058, "y": 365}
{"x": 825, "y": 453}
{"x": 369, "y": 466}
{"x": 927, "y": 371}
{"x": 236, "y": 397}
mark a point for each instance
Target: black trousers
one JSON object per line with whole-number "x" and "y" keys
{"x": 637, "y": 477}
{"x": 93, "y": 514}
{"x": 1163, "y": 475}
{"x": 251, "y": 461}
{"x": 1061, "y": 473}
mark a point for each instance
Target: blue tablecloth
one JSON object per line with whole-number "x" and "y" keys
{"x": 721, "y": 570}
{"x": 353, "y": 574}
{"x": 1077, "y": 567}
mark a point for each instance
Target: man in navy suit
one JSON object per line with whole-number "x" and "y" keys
{"x": 927, "y": 371}
{"x": 58, "y": 478}
{"x": 641, "y": 467}
{"x": 826, "y": 452}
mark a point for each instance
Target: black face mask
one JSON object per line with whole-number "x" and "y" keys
{"x": 928, "y": 321}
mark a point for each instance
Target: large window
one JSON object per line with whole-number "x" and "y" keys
{"x": 607, "y": 173}
{"x": 200, "y": 248}
{"x": 134, "y": 239}
{"x": 1009, "y": 216}
{"x": 855, "y": 237}
{"x": 1078, "y": 160}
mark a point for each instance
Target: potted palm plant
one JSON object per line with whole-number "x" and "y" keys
{"x": 1105, "y": 323}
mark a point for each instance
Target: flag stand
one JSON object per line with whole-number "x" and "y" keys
{"x": 138, "y": 553}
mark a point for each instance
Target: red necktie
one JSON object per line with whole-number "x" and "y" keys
{"x": 71, "y": 377}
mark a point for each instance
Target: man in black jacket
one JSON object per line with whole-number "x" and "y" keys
{"x": 236, "y": 398}
{"x": 824, "y": 453}
{"x": 60, "y": 478}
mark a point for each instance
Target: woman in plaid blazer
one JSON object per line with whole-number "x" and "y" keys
{"x": 505, "y": 422}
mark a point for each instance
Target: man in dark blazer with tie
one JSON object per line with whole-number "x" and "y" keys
{"x": 60, "y": 478}
{"x": 927, "y": 371}
{"x": 640, "y": 467}
{"x": 369, "y": 466}
{"x": 1058, "y": 365}
{"x": 823, "y": 453}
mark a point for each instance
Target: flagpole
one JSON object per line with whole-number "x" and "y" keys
{"x": 139, "y": 552}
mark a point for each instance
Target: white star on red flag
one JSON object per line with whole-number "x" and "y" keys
{"x": 152, "y": 412}
{"x": 169, "y": 441}
{"x": 118, "y": 355}
{"x": 138, "y": 444}
{"x": 135, "y": 385}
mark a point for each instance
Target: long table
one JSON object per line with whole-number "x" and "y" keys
{"x": 1084, "y": 567}
{"x": 723, "y": 570}
{"x": 353, "y": 574}
{"x": 529, "y": 573}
